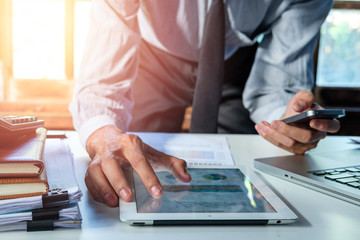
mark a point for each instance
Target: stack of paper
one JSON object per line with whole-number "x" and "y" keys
{"x": 68, "y": 217}
{"x": 58, "y": 207}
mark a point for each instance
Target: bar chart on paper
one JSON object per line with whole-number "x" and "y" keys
{"x": 194, "y": 149}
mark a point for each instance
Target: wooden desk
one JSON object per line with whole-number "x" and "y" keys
{"x": 320, "y": 216}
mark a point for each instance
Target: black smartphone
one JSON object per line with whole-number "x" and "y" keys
{"x": 305, "y": 117}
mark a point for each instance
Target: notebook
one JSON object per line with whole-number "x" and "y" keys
{"x": 336, "y": 173}
{"x": 22, "y": 157}
{"x": 11, "y": 188}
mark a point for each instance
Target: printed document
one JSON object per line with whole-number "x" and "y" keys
{"x": 195, "y": 149}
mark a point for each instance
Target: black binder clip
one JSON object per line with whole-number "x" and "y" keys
{"x": 44, "y": 225}
{"x": 55, "y": 198}
{"x": 46, "y": 214}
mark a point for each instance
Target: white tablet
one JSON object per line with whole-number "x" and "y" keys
{"x": 216, "y": 195}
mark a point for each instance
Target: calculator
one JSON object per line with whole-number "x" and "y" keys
{"x": 10, "y": 125}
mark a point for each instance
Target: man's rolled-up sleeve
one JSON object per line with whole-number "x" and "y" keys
{"x": 102, "y": 94}
{"x": 284, "y": 60}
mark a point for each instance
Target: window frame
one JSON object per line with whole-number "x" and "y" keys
{"x": 22, "y": 96}
{"x": 346, "y": 5}
{"x": 17, "y": 89}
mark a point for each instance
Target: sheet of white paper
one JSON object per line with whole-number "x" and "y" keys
{"x": 194, "y": 149}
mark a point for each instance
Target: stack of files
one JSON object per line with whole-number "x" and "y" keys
{"x": 42, "y": 219}
{"x": 38, "y": 187}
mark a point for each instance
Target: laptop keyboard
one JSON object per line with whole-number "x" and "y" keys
{"x": 349, "y": 176}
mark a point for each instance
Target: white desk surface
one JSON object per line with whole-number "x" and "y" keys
{"x": 320, "y": 216}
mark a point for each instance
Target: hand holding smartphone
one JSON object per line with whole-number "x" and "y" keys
{"x": 304, "y": 118}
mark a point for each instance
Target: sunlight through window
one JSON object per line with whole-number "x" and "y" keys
{"x": 82, "y": 17}
{"x": 38, "y": 39}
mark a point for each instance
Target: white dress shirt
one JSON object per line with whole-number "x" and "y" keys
{"x": 286, "y": 30}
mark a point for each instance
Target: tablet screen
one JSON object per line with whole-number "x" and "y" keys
{"x": 211, "y": 190}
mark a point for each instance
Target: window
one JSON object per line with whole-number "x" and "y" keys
{"x": 339, "y": 48}
{"x": 338, "y": 66}
{"x": 338, "y": 72}
{"x": 40, "y": 51}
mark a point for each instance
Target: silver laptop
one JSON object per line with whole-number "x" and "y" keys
{"x": 336, "y": 173}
